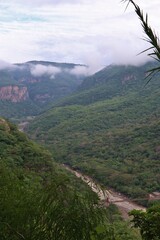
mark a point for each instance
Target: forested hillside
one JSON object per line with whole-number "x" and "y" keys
{"x": 110, "y": 130}
{"x": 38, "y": 200}
{"x": 110, "y": 82}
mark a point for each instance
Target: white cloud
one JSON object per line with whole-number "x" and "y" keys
{"x": 94, "y": 33}
{"x": 46, "y": 2}
{"x": 6, "y": 65}
{"x": 80, "y": 70}
{"x": 40, "y": 70}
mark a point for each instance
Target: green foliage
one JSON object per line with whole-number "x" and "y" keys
{"x": 17, "y": 150}
{"x": 115, "y": 231}
{"x": 17, "y": 110}
{"x": 17, "y": 202}
{"x": 56, "y": 211}
{"x": 66, "y": 214}
{"x": 148, "y": 222}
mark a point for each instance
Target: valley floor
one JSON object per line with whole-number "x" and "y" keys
{"x": 124, "y": 204}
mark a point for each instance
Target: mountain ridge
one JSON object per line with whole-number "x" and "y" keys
{"x": 109, "y": 82}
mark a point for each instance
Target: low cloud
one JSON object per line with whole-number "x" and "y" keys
{"x": 88, "y": 70}
{"x": 5, "y": 65}
{"x": 40, "y": 70}
{"x": 80, "y": 70}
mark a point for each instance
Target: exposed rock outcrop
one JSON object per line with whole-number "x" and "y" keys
{"x": 14, "y": 93}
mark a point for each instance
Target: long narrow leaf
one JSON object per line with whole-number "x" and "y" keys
{"x": 151, "y": 38}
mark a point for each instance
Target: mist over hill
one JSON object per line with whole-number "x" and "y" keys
{"x": 112, "y": 81}
{"x": 29, "y": 88}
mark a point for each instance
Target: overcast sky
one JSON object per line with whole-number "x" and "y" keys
{"x": 93, "y": 32}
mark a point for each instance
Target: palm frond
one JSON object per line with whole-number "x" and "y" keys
{"x": 151, "y": 38}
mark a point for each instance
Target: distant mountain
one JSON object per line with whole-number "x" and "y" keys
{"x": 30, "y": 87}
{"x": 109, "y": 129}
{"x": 112, "y": 81}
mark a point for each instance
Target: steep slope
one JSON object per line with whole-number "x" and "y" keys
{"x": 16, "y": 150}
{"x": 115, "y": 138}
{"x": 36, "y": 84}
{"x": 112, "y": 81}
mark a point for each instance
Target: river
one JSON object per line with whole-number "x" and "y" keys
{"x": 108, "y": 196}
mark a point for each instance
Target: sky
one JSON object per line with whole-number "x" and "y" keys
{"x": 92, "y": 32}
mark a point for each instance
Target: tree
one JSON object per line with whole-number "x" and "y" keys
{"x": 148, "y": 222}
{"x": 29, "y": 210}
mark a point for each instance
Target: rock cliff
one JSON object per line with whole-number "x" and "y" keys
{"x": 14, "y": 93}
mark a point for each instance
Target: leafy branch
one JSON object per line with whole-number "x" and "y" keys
{"x": 151, "y": 38}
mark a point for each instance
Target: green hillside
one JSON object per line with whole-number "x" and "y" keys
{"x": 114, "y": 139}
{"x": 39, "y": 200}
{"x": 112, "y": 81}
{"x": 18, "y": 110}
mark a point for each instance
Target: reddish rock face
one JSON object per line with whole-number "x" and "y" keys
{"x": 14, "y": 93}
